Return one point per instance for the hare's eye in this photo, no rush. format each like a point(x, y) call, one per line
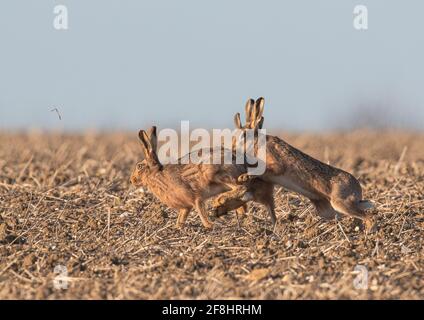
point(140, 166)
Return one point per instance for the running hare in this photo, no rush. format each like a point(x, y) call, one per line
point(187, 186)
point(330, 189)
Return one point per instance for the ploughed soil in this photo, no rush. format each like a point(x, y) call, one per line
point(71, 227)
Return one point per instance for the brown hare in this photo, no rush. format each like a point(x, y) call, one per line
point(187, 186)
point(331, 190)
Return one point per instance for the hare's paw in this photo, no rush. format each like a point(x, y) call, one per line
point(179, 225)
point(367, 224)
point(370, 225)
point(244, 178)
point(208, 224)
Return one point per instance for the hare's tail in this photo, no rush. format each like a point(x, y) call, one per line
point(365, 205)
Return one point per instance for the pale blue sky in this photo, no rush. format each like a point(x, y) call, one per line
point(131, 63)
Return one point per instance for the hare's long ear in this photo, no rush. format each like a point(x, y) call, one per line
point(259, 110)
point(260, 123)
point(151, 156)
point(260, 103)
point(153, 138)
point(237, 120)
point(146, 139)
point(248, 109)
point(144, 143)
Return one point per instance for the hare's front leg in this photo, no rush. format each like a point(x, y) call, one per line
point(200, 207)
point(270, 206)
point(182, 217)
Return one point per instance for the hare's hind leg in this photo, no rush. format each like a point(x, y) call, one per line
point(348, 207)
point(270, 206)
point(231, 200)
point(231, 203)
point(366, 205)
point(351, 208)
point(238, 196)
point(324, 209)
point(257, 190)
point(182, 217)
point(224, 205)
point(263, 192)
point(200, 208)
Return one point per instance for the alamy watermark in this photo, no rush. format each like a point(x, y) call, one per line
point(60, 21)
point(360, 17)
point(361, 279)
point(60, 282)
point(200, 147)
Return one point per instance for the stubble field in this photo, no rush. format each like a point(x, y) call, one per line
point(66, 202)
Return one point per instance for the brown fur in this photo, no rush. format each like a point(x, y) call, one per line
point(186, 186)
point(330, 189)
point(262, 192)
